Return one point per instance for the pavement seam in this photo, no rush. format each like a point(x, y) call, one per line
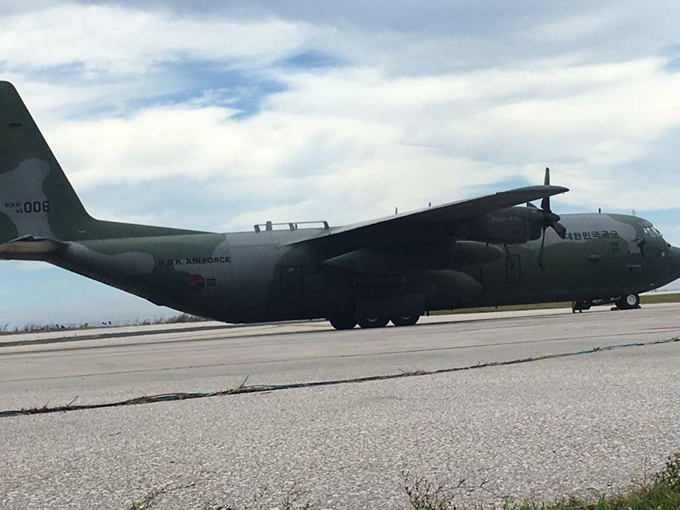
point(242, 389)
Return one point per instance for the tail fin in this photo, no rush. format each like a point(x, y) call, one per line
point(36, 200)
point(39, 209)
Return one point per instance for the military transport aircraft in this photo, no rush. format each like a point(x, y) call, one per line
point(492, 250)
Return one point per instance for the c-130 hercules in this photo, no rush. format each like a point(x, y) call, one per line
point(492, 250)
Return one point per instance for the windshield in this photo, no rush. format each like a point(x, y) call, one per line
point(651, 231)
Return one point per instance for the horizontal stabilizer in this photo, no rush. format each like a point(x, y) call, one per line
point(29, 248)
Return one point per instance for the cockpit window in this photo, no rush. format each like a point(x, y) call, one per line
point(651, 231)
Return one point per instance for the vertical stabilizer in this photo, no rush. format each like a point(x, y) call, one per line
point(36, 199)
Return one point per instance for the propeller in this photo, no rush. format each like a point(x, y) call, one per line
point(550, 219)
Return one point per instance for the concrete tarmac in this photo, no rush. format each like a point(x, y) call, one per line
point(576, 423)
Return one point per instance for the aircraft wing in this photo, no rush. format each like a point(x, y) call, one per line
point(401, 227)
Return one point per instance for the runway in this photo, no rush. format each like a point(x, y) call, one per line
point(535, 428)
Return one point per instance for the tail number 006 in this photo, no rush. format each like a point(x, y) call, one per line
point(36, 207)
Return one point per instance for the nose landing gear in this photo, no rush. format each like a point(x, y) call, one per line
point(628, 302)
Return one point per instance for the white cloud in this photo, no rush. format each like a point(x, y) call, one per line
point(378, 142)
point(116, 40)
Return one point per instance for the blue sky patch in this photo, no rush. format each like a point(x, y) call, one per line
point(673, 65)
point(311, 60)
point(672, 54)
point(242, 90)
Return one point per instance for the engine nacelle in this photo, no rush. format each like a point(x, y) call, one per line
point(516, 225)
point(416, 258)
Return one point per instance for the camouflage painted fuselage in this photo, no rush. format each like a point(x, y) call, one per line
point(482, 251)
point(260, 276)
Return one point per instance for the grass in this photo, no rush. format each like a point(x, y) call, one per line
point(645, 299)
point(47, 328)
point(650, 298)
point(505, 308)
point(660, 492)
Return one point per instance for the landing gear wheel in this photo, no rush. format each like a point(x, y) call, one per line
point(628, 302)
point(405, 320)
point(373, 322)
point(342, 323)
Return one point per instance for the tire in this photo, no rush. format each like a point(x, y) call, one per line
point(342, 323)
point(628, 302)
point(405, 320)
point(373, 322)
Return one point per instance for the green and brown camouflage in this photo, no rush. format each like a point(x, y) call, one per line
point(490, 250)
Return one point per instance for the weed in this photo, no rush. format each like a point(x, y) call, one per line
point(294, 498)
point(52, 327)
point(151, 498)
point(423, 494)
point(661, 492)
point(670, 474)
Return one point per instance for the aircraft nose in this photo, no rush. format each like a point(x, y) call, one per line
point(675, 258)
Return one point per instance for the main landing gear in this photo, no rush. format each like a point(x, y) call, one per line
point(373, 322)
point(580, 305)
point(405, 320)
point(343, 323)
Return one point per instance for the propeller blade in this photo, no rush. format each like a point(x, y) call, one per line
point(540, 253)
point(559, 229)
point(545, 203)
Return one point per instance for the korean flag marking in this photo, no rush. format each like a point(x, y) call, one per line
point(196, 282)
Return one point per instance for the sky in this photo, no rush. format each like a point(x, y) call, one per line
point(216, 115)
